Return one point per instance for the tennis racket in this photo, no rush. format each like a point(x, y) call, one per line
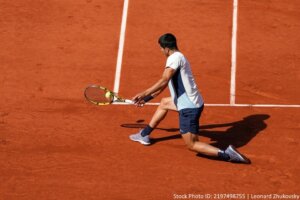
point(99, 95)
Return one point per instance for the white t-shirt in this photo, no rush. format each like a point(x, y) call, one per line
point(183, 88)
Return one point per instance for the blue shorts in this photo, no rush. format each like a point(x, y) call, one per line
point(189, 120)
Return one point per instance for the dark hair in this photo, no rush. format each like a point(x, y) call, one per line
point(168, 40)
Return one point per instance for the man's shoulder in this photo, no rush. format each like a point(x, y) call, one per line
point(176, 55)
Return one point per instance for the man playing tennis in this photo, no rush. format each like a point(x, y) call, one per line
point(185, 99)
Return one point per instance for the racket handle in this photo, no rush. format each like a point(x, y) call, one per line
point(129, 101)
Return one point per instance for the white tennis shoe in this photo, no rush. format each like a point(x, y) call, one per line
point(236, 156)
point(139, 138)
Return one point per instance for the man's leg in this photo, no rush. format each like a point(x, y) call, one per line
point(193, 144)
point(230, 154)
point(189, 125)
point(166, 104)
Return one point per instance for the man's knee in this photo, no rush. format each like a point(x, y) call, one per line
point(164, 102)
point(191, 146)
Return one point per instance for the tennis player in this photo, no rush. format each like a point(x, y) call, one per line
point(185, 99)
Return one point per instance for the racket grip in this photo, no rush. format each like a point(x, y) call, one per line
point(148, 98)
point(129, 101)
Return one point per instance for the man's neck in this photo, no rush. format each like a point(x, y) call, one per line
point(172, 51)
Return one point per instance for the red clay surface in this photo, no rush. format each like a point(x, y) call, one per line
point(54, 145)
point(268, 52)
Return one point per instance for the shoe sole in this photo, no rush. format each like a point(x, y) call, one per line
point(243, 158)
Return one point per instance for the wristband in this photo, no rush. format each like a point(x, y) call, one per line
point(148, 98)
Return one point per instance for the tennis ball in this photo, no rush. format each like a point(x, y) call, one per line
point(108, 95)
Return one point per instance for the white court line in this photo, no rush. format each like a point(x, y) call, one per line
point(232, 105)
point(121, 47)
point(233, 52)
point(255, 105)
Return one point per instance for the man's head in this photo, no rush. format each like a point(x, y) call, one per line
point(168, 43)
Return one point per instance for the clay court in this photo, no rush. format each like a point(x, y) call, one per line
point(55, 145)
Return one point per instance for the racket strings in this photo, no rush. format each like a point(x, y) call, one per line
point(97, 95)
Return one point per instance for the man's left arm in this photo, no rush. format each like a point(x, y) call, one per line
point(157, 88)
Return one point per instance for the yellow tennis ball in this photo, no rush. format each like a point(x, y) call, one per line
point(108, 95)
